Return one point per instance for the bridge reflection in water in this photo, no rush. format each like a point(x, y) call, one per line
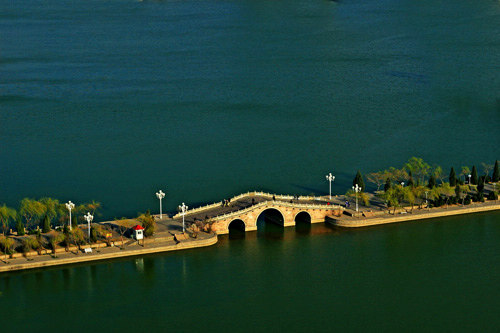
point(270, 225)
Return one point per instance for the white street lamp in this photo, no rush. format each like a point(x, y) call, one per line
point(469, 178)
point(183, 208)
point(70, 206)
point(356, 189)
point(403, 184)
point(330, 179)
point(160, 195)
point(89, 217)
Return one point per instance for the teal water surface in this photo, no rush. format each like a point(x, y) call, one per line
point(438, 275)
point(112, 100)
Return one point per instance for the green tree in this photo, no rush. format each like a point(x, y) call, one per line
point(419, 193)
point(46, 224)
point(474, 176)
point(51, 208)
point(32, 210)
point(432, 182)
point(396, 195)
point(388, 184)
point(376, 178)
point(148, 223)
point(77, 237)
point(487, 169)
point(7, 215)
point(359, 180)
point(93, 235)
point(7, 245)
point(496, 172)
point(438, 173)
point(480, 185)
point(20, 227)
point(452, 177)
point(465, 172)
point(446, 190)
point(418, 167)
point(410, 180)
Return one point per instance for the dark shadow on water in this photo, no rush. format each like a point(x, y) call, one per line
point(303, 223)
point(270, 225)
point(303, 228)
point(236, 230)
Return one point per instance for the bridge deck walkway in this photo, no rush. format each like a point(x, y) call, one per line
point(175, 224)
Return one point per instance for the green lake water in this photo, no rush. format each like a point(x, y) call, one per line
point(112, 100)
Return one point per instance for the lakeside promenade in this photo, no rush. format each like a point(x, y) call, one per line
point(245, 208)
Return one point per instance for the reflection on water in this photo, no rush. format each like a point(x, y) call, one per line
point(139, 265)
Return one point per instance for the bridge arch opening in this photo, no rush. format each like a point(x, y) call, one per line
point(271, 216)
point(236, 229)
point(303, 217)
point(236, 225)
point(270, 224)
point(303, 223)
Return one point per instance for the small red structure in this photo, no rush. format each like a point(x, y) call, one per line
point(138, 232)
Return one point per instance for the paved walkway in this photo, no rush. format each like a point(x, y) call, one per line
point(153, 245)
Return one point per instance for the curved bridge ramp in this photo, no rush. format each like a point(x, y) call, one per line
point(246, 208)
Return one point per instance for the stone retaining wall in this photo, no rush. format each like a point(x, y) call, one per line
point(102, 256)
point(410, 217)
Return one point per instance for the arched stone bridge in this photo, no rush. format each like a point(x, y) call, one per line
point(244, 210)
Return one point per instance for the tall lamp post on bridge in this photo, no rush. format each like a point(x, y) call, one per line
point(183, 209)
point(356, 189)
point(89, 217)
point(160, 195)
point(70, 206)
point(330, 179)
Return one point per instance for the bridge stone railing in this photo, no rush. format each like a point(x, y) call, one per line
point(247, 194)
point(272, 203)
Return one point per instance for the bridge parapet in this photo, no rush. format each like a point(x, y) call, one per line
point(244, 195)
point(273, 204)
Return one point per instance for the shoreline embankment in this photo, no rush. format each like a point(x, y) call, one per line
point(111, 253)
point(160, 244)
point(357, 222)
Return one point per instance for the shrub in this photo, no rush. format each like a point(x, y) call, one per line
point(467, 200)
point(20, 228)
point(478, 197)
point(93, 235)
point(148, 223)
point(492, 196)
point(46, 224)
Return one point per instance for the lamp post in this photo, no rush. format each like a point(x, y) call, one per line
point(356, 189)
point(426, 203)
point(89, 217)
point(183, 208)
point(160, 195)
point(469, 177)
point(70, 206)
point(330, 179)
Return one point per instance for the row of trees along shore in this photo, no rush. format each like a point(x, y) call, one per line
point(417, 182)
point(46, 221)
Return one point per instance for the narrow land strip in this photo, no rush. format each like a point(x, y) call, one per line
point(356, 222)
point(105, 253)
